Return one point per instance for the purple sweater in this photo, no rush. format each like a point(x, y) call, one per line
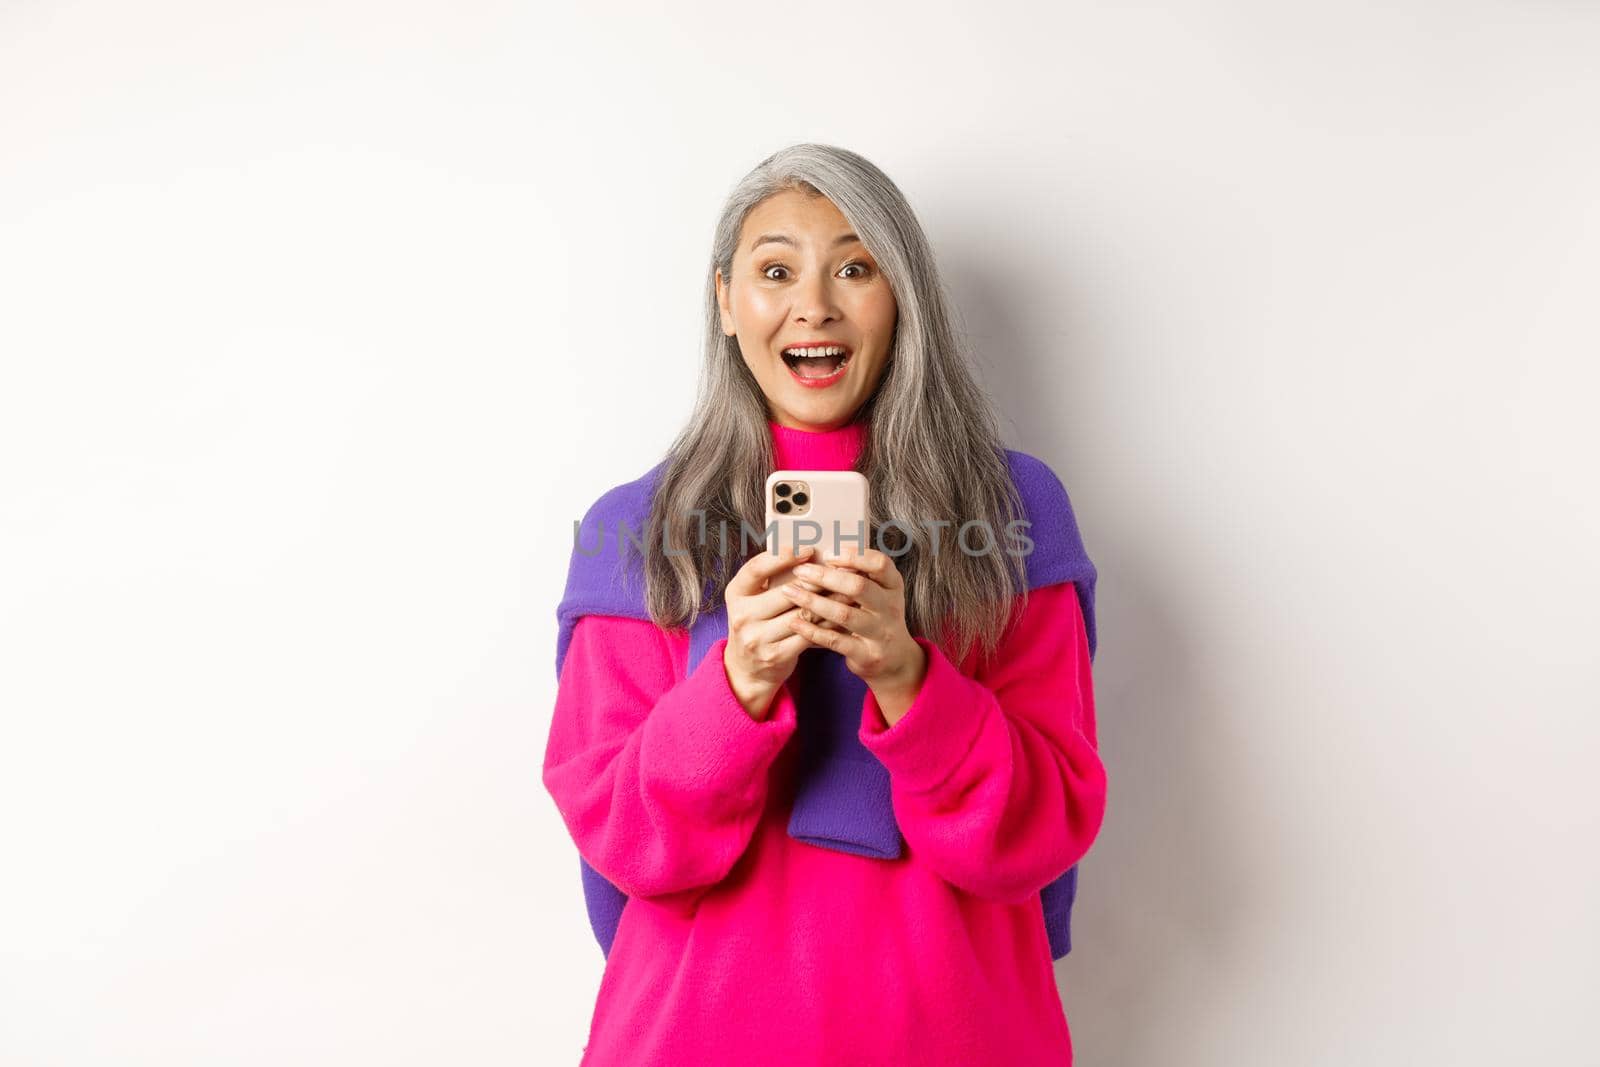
point(842, 799)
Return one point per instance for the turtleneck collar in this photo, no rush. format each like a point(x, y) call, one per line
point(817, 450)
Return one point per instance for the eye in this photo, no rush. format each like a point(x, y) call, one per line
point(766, 272)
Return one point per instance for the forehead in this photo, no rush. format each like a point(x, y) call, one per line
point(801, 218)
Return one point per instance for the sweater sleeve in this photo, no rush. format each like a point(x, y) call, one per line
point(660, 782)
point(996, 780)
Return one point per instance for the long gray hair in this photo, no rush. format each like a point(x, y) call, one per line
point(931, 450)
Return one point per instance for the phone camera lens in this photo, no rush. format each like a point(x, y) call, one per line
point(782, 489)
point(783, 507)
point(800, 498)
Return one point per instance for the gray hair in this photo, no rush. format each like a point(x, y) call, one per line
point(931, 452)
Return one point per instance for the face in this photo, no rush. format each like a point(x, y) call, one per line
point(801, 277)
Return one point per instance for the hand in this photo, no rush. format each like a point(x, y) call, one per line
point(810, 616)
point(871, 635)
point(762, 648)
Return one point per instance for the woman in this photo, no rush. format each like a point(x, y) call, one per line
point(892, 887)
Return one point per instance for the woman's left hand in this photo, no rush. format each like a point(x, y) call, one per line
point(872, 638)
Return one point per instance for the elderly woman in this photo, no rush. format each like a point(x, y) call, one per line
point(894, 885)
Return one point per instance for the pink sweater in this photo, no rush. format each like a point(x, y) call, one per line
point(742, 945)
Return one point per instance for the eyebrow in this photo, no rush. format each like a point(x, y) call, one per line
point(785, 239)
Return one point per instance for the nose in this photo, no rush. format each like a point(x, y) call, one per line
point(814, 303)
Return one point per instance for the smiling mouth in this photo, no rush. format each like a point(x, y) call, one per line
point(818, 363)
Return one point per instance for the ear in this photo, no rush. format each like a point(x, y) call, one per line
point(724, 306)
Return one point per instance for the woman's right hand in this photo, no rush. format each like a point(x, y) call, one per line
point(762, 650)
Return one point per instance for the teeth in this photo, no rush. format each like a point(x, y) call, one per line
point(814, 353)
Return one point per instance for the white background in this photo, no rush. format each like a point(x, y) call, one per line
point(321, 322)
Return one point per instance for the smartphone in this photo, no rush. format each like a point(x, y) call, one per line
point(824, 509)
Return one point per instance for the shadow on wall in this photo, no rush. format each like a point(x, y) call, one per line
point(1160, 898)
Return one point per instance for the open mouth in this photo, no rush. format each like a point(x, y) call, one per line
point(817, 364)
